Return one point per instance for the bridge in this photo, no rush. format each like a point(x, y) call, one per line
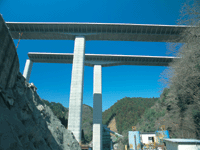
point(80, 33)
point(105, 60)
point(96, 31)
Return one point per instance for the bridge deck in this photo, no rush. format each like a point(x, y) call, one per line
point(96, 31)
point(102, 59)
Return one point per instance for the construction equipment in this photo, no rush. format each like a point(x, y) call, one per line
point(162, 127)
point(138, 141)
point(134, 140)
point(133, 128)
point(117, 134)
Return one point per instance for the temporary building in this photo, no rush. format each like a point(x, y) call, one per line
point(147, 137)
point(182, 144)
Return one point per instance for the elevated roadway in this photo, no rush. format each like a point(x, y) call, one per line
point(104, 60)
point(96, 31)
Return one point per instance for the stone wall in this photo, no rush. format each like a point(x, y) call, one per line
point(26, 123)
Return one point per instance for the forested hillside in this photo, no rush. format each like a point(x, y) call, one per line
point(152, 118)
point(127, 112)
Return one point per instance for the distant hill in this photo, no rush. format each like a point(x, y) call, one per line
point(87, 118)
point(127, 112)
point(59, 110)
point(87, 122)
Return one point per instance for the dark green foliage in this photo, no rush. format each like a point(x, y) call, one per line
point(147, 122)
point(163, 97)
point(87, 123)
point(64, 121)
point(58, 109)
point(127, 112)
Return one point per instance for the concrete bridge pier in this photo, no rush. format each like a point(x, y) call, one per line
point(97, 108)
point(27, 69)
point(76, 90)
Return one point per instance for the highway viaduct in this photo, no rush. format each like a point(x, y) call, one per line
point(97, 61)
point(80, 33)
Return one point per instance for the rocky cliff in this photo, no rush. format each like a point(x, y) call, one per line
point(26, 123)
point(62, 114)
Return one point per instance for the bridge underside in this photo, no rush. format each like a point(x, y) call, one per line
point(96, 31)
point(102, 59)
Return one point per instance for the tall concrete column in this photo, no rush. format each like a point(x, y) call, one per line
point(27, 69)
point(76, 91)
point(97, 108)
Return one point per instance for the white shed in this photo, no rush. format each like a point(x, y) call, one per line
point(182, 144)
point(147, 137)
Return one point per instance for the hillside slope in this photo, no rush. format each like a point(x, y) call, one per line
point(166, 112)
point(127, 112)
point(179, 105)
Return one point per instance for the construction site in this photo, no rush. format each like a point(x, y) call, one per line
point(158, 140)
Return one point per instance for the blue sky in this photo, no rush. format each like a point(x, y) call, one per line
point(53, 80)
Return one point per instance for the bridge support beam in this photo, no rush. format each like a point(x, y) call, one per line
point(97, 108)
point(27, 69)
point(76, 90)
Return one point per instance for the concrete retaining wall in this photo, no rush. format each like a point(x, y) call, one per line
point(9, 62)
point(26, 123)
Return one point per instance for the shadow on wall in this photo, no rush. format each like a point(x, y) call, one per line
point(64, 121)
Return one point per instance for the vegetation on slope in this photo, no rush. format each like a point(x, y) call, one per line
point(58, 109)
point(181, 101)
point(149, 121)
point(87, 123)
point(127, 112)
